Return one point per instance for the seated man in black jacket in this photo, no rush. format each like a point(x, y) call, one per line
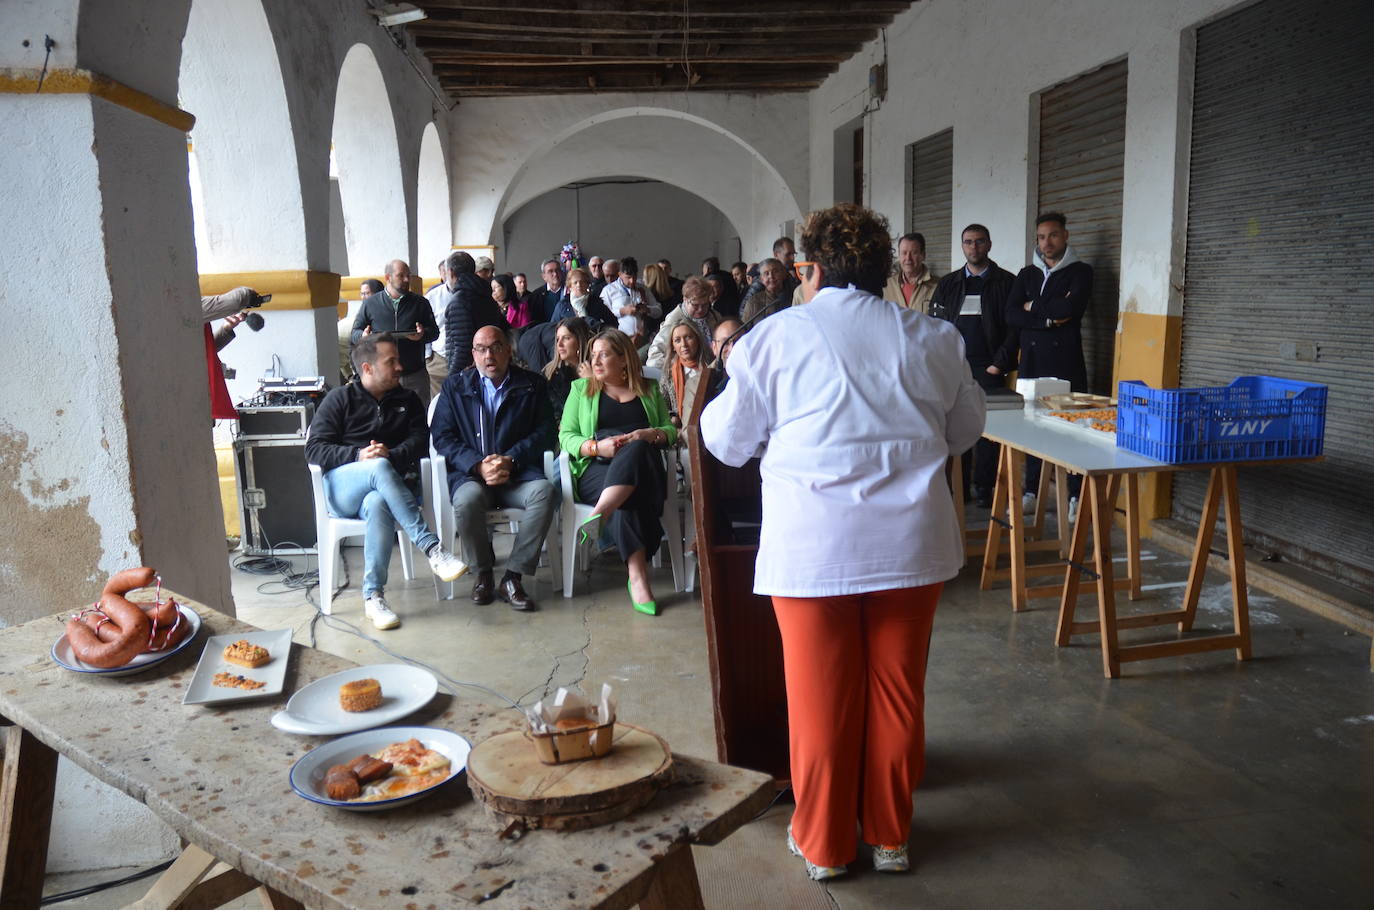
point(410, 320)
point(492, 424)
point(974, 299)
point(368, 437)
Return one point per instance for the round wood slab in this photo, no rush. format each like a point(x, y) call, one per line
point(507, 777)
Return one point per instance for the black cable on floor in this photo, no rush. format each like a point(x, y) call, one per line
point(95, 889)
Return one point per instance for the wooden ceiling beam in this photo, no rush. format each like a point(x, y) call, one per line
point(560, 46)
point(841, 27)
point(637, 9)
point(460, 61)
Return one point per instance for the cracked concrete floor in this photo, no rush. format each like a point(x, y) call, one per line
point(1192, 782)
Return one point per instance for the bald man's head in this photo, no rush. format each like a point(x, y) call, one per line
point(491, 352)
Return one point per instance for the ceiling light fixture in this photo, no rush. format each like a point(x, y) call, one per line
point(393, 14)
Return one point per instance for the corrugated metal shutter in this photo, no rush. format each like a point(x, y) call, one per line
point(1082, 156)
point(930, 206)
point(1280, 261)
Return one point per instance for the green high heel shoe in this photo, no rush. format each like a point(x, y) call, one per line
point(590, 529)
point(648, 609)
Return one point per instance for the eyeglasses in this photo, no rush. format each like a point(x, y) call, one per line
point(800, 267)
point(487, 348)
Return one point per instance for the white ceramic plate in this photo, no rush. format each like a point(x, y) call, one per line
point(307, 774)
point(67, 659)
point(315, 710)
point(203, 691)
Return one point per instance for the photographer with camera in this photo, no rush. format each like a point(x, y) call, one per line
point(231, 306)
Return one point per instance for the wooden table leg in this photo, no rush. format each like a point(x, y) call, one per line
point(28, 778)
point(1061, 504)
point(1016, 461)
point(1078, 548)
point(675, 885)
point(1133, 533)
point(1106, 589)
point(999, 510)
point(272, 899)
point(1235, 546)
point(1202, 546)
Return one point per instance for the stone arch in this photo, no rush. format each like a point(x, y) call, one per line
point(684, 150)
point(232, 79)
point(433, 203)
point(368, 159)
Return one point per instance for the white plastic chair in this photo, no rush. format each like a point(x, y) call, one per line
point(573, 513)
point(445, 522)
point(331, 531)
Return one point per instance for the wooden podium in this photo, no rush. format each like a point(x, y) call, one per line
point(749, 694)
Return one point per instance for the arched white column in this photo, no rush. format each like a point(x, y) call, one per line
point(250, 216)
point(369, 164)
point(433, 212)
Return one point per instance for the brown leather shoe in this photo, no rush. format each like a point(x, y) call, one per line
point(484, 588)
point(512, 593)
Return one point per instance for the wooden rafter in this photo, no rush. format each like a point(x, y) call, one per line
point(494, 48)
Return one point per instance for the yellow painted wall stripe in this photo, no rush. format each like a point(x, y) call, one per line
point(16, 81)
point(291, 290)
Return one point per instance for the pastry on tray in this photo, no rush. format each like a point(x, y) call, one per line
point(246, 655)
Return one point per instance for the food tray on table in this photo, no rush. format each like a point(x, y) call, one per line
point(66, 658)
point(1094, 416)
point(208, 687)
point(1255, 417)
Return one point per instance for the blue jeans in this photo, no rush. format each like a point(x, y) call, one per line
point(373, 491)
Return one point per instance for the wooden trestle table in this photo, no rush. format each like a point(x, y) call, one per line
point(218, 777)
point(1105, 468)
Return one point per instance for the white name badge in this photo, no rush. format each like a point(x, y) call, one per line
point(973, 305)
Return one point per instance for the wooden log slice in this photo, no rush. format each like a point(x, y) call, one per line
point(507, 777)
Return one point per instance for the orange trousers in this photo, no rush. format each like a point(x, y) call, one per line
point(856, 671)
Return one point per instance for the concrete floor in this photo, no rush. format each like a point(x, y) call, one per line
point(1192, 782)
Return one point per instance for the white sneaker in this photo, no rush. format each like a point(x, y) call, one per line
point(375, 609)
point(1073, 509)
point(814, 872)
point(445, 565)
point(891, 859)
point(1027, 503)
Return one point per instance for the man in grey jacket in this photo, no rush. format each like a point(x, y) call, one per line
point(410, 320)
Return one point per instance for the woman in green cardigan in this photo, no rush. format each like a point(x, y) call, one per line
point(613, 426)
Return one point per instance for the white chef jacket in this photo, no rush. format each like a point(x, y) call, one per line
point(854, 404)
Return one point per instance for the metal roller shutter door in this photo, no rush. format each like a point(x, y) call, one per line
point(1280, 261)
point(1082, 158)
point(931, 205)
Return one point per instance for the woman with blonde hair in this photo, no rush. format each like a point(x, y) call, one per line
point(688, 353)
point(854, 457)
point(656, 280)
point(614, 427)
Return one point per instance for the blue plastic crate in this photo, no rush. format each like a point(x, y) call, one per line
point(1254, 417)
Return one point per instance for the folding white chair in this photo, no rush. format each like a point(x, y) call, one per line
point(331, 531)
point(573, 513)
point(445, 522)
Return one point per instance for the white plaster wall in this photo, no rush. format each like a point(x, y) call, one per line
point(707, 162)
point(250, 216)
point(649, 221)
point(369, 165)
point(128, 833)
point(433, 217)
point(975, 67)
point(496, 143)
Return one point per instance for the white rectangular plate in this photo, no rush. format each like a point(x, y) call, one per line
point(203, 690)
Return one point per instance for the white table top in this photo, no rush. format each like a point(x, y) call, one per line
point(1079, 451)
point(1088, 452)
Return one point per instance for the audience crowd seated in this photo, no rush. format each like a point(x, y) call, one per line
point(695, 308)
point(581, 304)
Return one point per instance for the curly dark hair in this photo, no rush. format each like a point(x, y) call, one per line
point(851, 244)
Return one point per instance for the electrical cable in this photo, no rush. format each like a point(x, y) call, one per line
point(771, 803)
point(308, 581)
point(103, 886)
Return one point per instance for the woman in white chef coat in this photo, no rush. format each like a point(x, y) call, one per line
point(854, 405)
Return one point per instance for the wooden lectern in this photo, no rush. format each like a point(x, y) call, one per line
point(748, 691)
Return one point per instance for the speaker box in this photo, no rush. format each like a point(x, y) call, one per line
point(276, 506)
